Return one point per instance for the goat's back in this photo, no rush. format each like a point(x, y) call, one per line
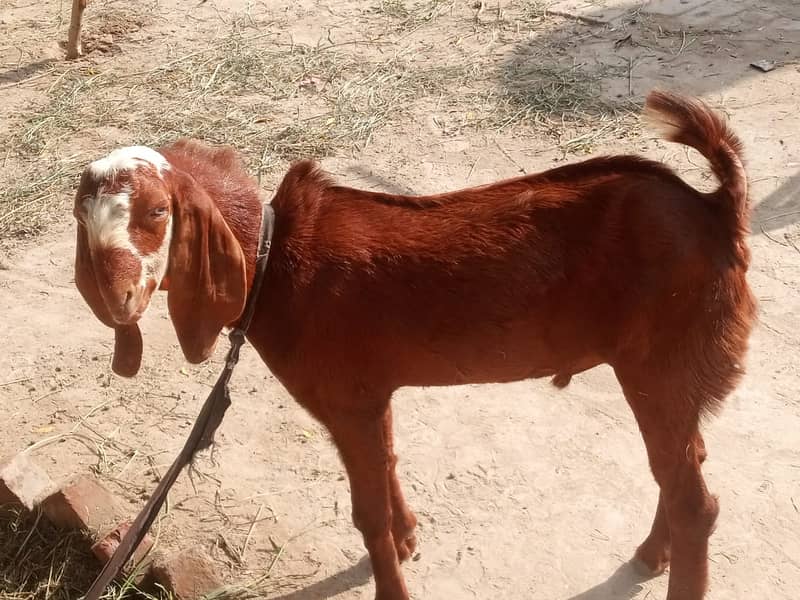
point(540, 275)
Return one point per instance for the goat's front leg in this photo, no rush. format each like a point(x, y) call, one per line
point(367, 455)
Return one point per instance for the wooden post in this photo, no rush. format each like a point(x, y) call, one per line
point(74, 49)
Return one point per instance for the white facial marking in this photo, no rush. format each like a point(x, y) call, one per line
point(154, 265)
point(128, 159)
point(107, 216)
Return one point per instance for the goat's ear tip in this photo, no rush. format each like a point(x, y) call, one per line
point(124, 369)
point(196, 355)
point(127, 350)
point(195, 359)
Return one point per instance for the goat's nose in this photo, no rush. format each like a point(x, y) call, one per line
point(130, 303)
point(124, 302)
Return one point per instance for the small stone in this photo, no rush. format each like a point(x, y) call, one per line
point(22, 482)
point(188, 575)
point(104, 549)
point(765, 66)
point(84, 505)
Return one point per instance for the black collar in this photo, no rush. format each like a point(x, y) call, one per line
point(262, 256)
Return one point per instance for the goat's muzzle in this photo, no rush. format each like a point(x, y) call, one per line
point(118, 273)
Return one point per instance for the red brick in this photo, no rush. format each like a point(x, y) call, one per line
point(189, 575)
point(22, 482)
point(108, 544)
point(83, 504)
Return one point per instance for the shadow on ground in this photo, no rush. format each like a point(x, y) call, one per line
point(355, 576)
point(779, 209)
point(623, 584)
point(607, 60)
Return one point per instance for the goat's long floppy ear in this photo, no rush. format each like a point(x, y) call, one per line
point(207, 278)
point(127, 338)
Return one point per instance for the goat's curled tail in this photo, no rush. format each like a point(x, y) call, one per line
point(689, 121)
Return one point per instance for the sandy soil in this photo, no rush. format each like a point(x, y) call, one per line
point(521, 491)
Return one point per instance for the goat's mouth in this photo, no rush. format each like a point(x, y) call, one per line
point(127, 319)
point(127, 312)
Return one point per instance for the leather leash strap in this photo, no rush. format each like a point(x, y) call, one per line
point(202, 434)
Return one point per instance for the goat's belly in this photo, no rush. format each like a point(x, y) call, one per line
point(478, 363)
point(460, 374)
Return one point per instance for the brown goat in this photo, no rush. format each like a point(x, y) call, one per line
point(612, 260)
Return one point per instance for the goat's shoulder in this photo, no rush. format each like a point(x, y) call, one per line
point(304, 183)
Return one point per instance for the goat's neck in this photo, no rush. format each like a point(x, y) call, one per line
point(243, 216)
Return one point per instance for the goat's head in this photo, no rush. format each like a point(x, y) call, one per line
point(144, 224)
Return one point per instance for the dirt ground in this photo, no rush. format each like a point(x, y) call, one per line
point(521, 491)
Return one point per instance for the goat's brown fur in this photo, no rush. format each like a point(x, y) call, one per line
point(612, 260)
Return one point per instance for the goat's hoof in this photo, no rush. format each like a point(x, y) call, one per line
point(647, 567)
point(406, 547)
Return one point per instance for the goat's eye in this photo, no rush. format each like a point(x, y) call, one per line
point(159, 212)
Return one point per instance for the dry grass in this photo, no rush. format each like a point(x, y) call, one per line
point(566, 102)
point(548, 96)
point(535, 10)
point(26, 202)
point(39, 562)
point(272, 104)
point(276, 102)
point(538, 92)
point(410, 16)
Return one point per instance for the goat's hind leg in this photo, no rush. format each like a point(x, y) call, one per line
point(668, 418)
point(653, 555)
point(404, 522)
